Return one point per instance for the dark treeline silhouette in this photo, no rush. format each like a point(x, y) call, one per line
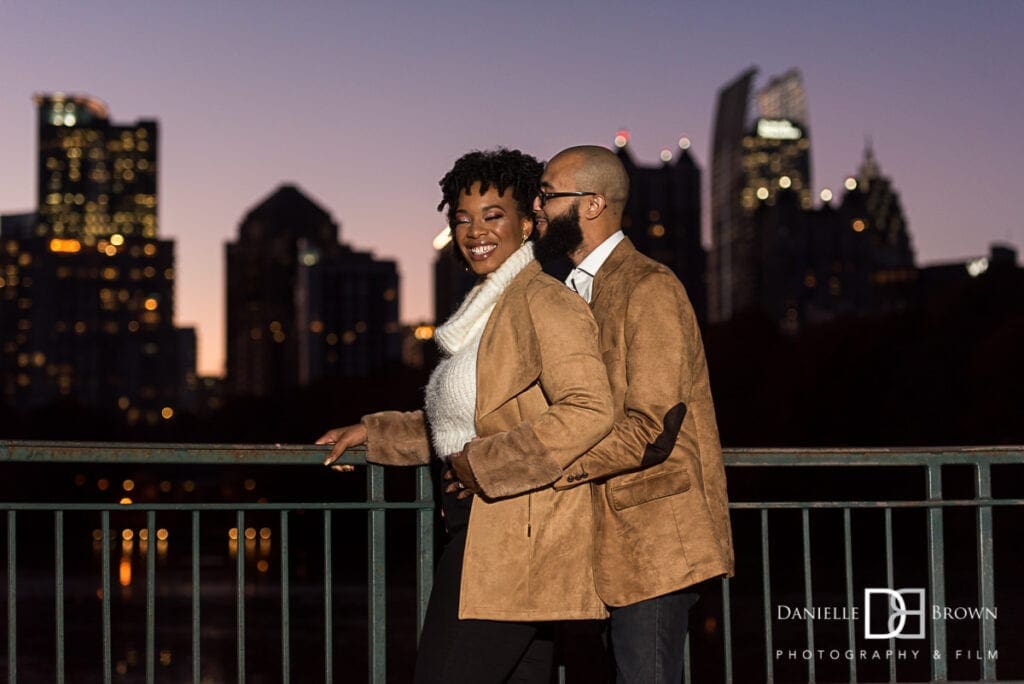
point(946, 372)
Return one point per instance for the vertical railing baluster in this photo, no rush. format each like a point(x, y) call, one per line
point(286, 666)
point(890, 579)
point(424, 545)
point(687, 677)
point(58, 536)
point(328, 603)
point(808, 594)
point(766, 588)
point(726, 630)
point(196, 672)
point(240, 596)
point(12, 598)
point(150, 596)
point(848, 555)
point(105, 589)
point(986, 569)
point(376, 575)
point(936, 572)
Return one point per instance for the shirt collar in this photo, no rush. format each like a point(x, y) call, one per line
point(592, 263)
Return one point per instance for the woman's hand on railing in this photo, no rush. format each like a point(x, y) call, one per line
point(342, 438)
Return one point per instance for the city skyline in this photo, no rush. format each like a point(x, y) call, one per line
point(365, 109)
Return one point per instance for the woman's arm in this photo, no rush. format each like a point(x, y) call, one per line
point(391, 438)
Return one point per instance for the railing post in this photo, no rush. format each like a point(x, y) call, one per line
point(196, 673)
point(766, 587)
point(240, 596)
point(376, 575)
point(150, 596)
point(936, 571)
point(12, 598)
point(286, 666)
point(105, 584)
point(328, 602)
point(808, 592)
point(424, 545)
point(986, 569)
point(58, 536)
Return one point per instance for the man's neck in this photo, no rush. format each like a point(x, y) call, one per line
point(589, 244)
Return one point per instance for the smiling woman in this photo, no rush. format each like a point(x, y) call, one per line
point(488, 228)
point(519, 394)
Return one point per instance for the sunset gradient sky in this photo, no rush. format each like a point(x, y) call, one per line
point(364, 105)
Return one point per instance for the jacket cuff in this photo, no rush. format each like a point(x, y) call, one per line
point(511, 462)
point(396, 438)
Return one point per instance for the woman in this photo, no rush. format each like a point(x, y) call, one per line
point(519, 394)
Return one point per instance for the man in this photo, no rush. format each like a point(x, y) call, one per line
point(662, 519)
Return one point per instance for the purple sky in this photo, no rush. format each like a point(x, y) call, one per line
point(365, 105)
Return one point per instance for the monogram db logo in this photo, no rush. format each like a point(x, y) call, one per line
point(900, 607)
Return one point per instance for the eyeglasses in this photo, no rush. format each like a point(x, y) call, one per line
point(545, 196)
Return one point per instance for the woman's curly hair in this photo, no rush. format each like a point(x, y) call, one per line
point(500, 168)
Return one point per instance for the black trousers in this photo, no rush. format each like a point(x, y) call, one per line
point(454, 650)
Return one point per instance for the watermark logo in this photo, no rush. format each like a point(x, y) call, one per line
point(904, 609)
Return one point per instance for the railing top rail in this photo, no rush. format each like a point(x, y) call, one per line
point(201, 454)
point(910, 456)
point(16, 451)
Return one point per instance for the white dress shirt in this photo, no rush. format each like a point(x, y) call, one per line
point(581, 278)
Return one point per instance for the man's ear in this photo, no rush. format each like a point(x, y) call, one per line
point(594, 207)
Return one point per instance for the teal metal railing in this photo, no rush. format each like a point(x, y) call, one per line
point(928, 464)
point(142, 455)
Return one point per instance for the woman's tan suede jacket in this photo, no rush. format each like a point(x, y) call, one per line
point(543, 399)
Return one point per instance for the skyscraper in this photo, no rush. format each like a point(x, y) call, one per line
point(300, 305)
point(757, 152)
point(88, 287)
point(662, 215)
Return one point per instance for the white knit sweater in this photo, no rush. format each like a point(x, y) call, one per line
point(451, 392)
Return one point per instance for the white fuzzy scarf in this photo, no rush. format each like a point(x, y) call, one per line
point(451, 392)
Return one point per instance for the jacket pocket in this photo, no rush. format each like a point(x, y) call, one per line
point(635, 492)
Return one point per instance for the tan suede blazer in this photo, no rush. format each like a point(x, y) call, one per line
point(659, 482)
point(542, 400)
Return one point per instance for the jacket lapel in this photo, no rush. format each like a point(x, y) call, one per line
point(618, 257)
point(509, 358)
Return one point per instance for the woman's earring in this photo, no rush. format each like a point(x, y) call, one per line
point(525, 236)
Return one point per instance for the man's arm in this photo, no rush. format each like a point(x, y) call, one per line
point(660, 334)
point(534, 453)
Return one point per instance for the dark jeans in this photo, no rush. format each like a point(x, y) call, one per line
point(647, 639)
point(454, 650)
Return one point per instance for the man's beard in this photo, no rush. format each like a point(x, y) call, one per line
point(562, 237)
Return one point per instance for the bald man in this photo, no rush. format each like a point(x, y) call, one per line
point(662, 521)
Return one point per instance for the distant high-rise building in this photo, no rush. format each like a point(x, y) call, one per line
point(452, 277)
point(300, 305)
point(757, 152)
point(94, 178)
point(662, 215)
point(871, 208)
point(819, 264)
point(87, 301)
